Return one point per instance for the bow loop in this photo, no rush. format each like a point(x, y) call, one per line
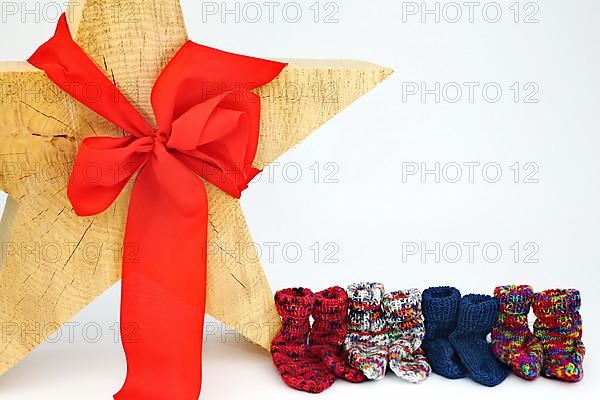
point(180, 87)
point(214, 139)
point(103, 167)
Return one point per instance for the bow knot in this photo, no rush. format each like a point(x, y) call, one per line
point(161, 137)
point(198, 135)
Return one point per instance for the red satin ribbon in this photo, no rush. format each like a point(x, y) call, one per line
point(208, 124)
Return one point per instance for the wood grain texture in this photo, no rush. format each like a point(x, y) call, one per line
point(55, 263)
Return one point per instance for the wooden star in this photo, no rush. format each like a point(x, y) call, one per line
point(54, 263)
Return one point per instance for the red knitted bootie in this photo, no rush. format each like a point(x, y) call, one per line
point(298, 366)
point(329, 332)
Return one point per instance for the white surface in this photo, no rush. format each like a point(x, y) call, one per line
point(370, 211)
point(233, 369)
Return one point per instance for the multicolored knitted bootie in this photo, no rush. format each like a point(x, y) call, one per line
point(440, 309)
point(477, 314)
point(329, 331)
point(402, 310)
point(512, 341)
point(367, 339)
point(559, 328)
point(299, 367)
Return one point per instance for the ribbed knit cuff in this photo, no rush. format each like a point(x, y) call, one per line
point(331, 303)
point(477, 313)
point(556, 302)
point(295, 302)
point(440, 304)
point(402, 305)
point(515, 300)
point(366, 295)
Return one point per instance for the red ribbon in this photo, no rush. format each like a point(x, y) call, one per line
point(208, 124)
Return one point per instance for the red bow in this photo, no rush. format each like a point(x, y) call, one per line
point(208, 124)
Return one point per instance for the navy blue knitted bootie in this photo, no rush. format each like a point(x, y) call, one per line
point(440, 309)
point(477, 315)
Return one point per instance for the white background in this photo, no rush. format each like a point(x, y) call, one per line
point(371, 210)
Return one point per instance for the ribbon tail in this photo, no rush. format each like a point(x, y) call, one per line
point(163, 294)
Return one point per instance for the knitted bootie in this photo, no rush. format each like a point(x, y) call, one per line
point(329, 331)
point(440, 309)
point(367, 340)
point(299, 368)
point(559, 328)
point(477, 314)
point(512, 341)
point(402, 310)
